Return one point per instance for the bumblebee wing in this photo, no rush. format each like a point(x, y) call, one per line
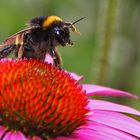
point(6, 50)
point(12, 38)
point(10, 43)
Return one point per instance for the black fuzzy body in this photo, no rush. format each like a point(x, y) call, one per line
point(42, 40)
point(40, 44)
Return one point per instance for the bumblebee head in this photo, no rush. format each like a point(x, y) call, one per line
point(57, 29)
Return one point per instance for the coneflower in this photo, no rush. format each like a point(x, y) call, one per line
point(41, 102)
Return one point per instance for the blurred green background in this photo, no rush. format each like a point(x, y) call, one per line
point(107, 52)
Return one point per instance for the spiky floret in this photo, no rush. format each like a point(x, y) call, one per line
point(38, 99)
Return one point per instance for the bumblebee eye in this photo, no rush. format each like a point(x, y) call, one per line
point(57, 31)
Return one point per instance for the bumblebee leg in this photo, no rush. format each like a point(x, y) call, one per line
point(20, 51)
point(56, 57)
point(20, 42)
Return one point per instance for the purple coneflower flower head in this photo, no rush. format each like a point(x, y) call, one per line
point(39, 101)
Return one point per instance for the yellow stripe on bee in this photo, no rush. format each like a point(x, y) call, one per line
point(49, 20)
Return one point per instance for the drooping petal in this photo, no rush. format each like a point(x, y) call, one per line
point(108, 132)
point(105, 91)
point(99, 132)
point(84, 135)
point(105, 105)
point(118, 121)
point(14, 136)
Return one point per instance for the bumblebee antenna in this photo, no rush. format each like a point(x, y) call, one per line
point(78, 20)
point(71, 25)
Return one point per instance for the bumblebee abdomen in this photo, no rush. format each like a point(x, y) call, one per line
point(36, 51)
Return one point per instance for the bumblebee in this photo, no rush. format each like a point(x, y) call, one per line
point(41, 36)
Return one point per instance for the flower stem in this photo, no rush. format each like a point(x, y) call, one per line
point(105, 39)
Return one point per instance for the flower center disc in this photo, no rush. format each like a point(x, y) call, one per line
point(38, 99)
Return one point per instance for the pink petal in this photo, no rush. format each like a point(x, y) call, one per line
point(118, 121)
point(84, 135)
point(14, 136)
point(2, 130)
point(105, 91)
point(76, 77)
point(48, 59)
point(105, 105)
point(109, 132)
point(98, 132)
point(87, 134)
